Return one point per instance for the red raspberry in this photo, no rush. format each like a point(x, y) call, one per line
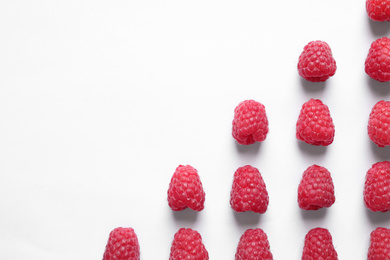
point(254, 245)
point(380, 244)
point(379, 124)
point(377, 64)
point(122, 245)
point(250, 123)
point(186, 190)
point(378, 10)
point(316, 62)
point(248, 191)
point(315, 125)
point(316, 189)
point(319, 245)
point(377, 187)
point(187, 244)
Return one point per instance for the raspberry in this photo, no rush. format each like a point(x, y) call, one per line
point(319, 245)
point(187, 244)
point(253, 245)
point(379, 244)
point(379, 124)
point(186, 190)
point(122, 245)
point(250, 123)
point(316, 62)
point(377, 64)
point(378, 10)
point(315, 125)
point(377, 187)
point(248, 192)
point(316, 189)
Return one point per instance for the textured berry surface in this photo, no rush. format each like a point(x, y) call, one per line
point(379, 124)
point(122, 245)
point(319, 245)
point(316, 62)
point(316, 189)
point(377, 187)
point(253, 245)
point(250, 123)
point(187, 245)
point(315, 125)
point(377, 64)
point(379, 244)
point(186, 190)
point(248, 192)
point(378, 10)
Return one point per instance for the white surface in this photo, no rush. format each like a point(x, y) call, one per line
point(100, 101)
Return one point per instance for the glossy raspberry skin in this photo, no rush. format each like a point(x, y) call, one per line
point(122, 245)
point(315, 125)
point(316, 62)
point(250, 123)
point(186, 190)
point(248, 192)
point(379, 244)
point(316, 189)
point(379, 124)
point(377, 187)
point(378, 10)
point(377, 64)
point(187, 245)
point(254, 245)
point(319, 245)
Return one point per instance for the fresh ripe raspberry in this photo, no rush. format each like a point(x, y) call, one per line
point(186, 190)
point(122, 245)
point(379, 244)
point(319, 245)
point(187, 244)
point(379, 124)
point(377, 187)
point(316, 189)
point(250, 123)
point(316, 63)
point(315, 125)
point(378, 10)
point(377, 64)
point(253, 245)
point(248, 191)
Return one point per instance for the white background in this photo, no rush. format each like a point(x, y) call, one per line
point(100, 101)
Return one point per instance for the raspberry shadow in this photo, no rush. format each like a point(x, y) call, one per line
point(251, 149)
point(313, 214)
point(247, 218)
point(312, 87)
point(379, 89)
point(378, 29)
point(186, 216)
point(313, 218)
point(311, 150)
point(378, 218)
point(382, 153)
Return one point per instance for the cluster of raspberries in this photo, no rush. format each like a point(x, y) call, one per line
point(253, 245)
point(249, 193)
point(316, 190)
point(314, 125)
point(316, 62)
